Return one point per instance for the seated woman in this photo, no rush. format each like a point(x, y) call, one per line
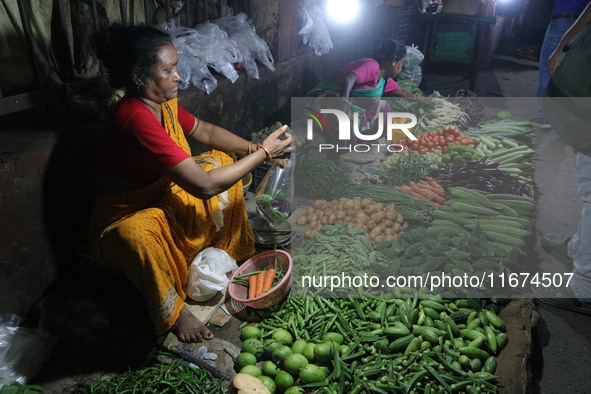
point(156, 206)
point(366, 78)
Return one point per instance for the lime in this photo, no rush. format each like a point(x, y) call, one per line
point(254, 346)
point(333, 336)
point(309, 351)
point(281, 353)
point(269, 368)
point(248, 332)
point(244, 359)
point(283, 336)
point(283, 381)
point(251, 370)
point(294, 362)
point(299, 346)
point(312, 373)
point(270, 345)
point(294, 390)
point(269, 383)
point(323, 352)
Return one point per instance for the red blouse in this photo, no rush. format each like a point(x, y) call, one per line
point(136, 147)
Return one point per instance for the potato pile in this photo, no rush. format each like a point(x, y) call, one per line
point(381, 222)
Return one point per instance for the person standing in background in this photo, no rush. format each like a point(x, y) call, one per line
point(567, 105)
point(564, 15)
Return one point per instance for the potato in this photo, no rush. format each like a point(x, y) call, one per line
point(397, 228)
point(399, 219)
point(371, 224)
point(366, 202)
point(310, 211)
point(309, 233)
point(319, 203)
point(332, 219)
point(340, 214)
point(301, 220)
point(360, 217)
point(387, 223)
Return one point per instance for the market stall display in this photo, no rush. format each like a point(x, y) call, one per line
point(459, 199)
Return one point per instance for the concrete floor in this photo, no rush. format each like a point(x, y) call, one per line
point(561, 341)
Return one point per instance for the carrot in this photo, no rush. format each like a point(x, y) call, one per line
point(434, 183)
point(252, 286)
point(427, 194)
point(269, 278)
point(260, 282)
point(405, 188)
point(436, 205)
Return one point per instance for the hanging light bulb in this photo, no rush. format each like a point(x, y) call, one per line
point(342, 10)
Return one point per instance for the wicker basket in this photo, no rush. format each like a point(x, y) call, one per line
point(263, 261)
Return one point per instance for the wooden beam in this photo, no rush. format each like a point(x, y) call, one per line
point(287, 29)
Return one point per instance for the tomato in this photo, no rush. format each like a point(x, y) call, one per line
point(429, 144)
point(450, 138)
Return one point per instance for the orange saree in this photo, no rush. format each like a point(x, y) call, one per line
point(151, 235)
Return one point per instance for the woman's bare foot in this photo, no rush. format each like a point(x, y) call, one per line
point(190, 329)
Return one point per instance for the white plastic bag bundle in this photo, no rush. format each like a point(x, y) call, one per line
point(191, 67)
point(251, 46)
point(207, 274)
point(314, 32)
point(219, 51)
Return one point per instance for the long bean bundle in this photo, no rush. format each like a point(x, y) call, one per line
point(319, 178)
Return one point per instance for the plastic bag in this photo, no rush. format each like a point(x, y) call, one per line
point(250, 45)
point(191, 66)
point(275, 193)
point(207, 274)
point(411, 69)
point(314, 31)
point(219, 52)
point(414, 57)
point(23, 350)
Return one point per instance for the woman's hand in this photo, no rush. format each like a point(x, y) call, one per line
point(275, 145)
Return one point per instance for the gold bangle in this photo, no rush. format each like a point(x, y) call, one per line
point(269, 157)
point(250, 147)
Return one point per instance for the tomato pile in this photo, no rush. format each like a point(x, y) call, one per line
point(437, 140)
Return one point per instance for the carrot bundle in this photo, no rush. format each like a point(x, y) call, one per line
point(427, 189)
point(261, 282)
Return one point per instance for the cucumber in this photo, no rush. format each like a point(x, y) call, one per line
point(474, 352)
point(490, 365)
point(493, 319)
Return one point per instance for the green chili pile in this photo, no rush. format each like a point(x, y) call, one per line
point(161, 378)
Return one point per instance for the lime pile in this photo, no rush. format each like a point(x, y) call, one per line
point(285, 365)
